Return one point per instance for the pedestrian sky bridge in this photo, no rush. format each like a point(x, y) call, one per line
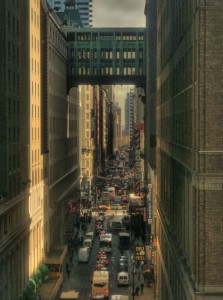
point(106, 56)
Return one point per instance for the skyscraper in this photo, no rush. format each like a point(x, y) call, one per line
point(189, 149)
point(84, 7)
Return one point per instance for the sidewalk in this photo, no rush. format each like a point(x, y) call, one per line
point(74, 263)
point(148, 294)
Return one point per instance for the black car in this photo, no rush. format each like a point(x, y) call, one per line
point(123, 261)
point(122, 268)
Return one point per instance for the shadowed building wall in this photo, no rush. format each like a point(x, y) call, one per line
point(190, 149)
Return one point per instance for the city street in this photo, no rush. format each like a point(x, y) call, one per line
point(80, 276)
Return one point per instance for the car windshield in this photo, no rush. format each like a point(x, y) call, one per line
point(99, 284)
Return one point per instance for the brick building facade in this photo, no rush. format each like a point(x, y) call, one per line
point(190, 149)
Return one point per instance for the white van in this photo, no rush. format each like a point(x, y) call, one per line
point(87, 243)
point(123, 278)
point(83, 254)
point(90, 235)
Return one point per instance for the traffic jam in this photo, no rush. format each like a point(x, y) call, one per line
point(106, 251)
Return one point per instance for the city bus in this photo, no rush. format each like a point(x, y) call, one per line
point(105, 242)
point(100, 285)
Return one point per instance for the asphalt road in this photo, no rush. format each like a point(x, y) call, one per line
point(80, 279)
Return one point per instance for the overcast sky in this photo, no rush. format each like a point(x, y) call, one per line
point(119, 13)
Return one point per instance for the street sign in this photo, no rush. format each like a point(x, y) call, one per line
point(140, 253)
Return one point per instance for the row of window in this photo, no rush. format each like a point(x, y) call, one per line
point(58, 40)
point(108, 71)
point(13, 134)
point(13, 80)
point(35, 44)
point(118, 37)
point(11, 219)
point(13, 24)
point(35, 67)
point(36, 176)
point(35, 156)
point(107, 54)
point(35, 111)
point(35, 18)
point(35, 133)
point(35, 89)
point(14, 162)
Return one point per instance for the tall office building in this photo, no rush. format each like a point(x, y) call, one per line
point(117, 138)
point(189, 149)
point(39, 126)
point(87, 112)
point(14, 148)
point(85, 8)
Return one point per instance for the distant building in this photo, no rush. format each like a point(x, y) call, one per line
point(117, 138)
point(84, 6)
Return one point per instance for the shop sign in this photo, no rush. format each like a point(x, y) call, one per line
point(149, 203)
point(140, 253)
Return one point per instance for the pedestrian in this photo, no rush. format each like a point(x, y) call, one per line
point(68, 273)
point(137, 291)
point(142, 287)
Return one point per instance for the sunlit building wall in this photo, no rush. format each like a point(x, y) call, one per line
point(36, 191)
point(86, 93)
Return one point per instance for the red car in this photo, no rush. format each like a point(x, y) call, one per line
point(101, 254)
point(125, 199)
point(120, 192)
point(99, 266)
point(103, 261)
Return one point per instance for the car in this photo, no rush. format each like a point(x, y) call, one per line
point(98, 229)
point(115, 206)
point(123, 257)
point(100, 218)
point(101, 254)
point(125, 199)
point(99, 266)
point(101, 232)
point(103, 260)
point(123, 261)
point(103, 207)
point(104, 269)
point(120, 192)
point(98, 223)
point(122, 268)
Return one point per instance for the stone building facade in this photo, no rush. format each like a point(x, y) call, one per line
point(189, 149)
point(39, 166)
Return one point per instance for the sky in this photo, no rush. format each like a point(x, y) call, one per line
point(119, 13)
